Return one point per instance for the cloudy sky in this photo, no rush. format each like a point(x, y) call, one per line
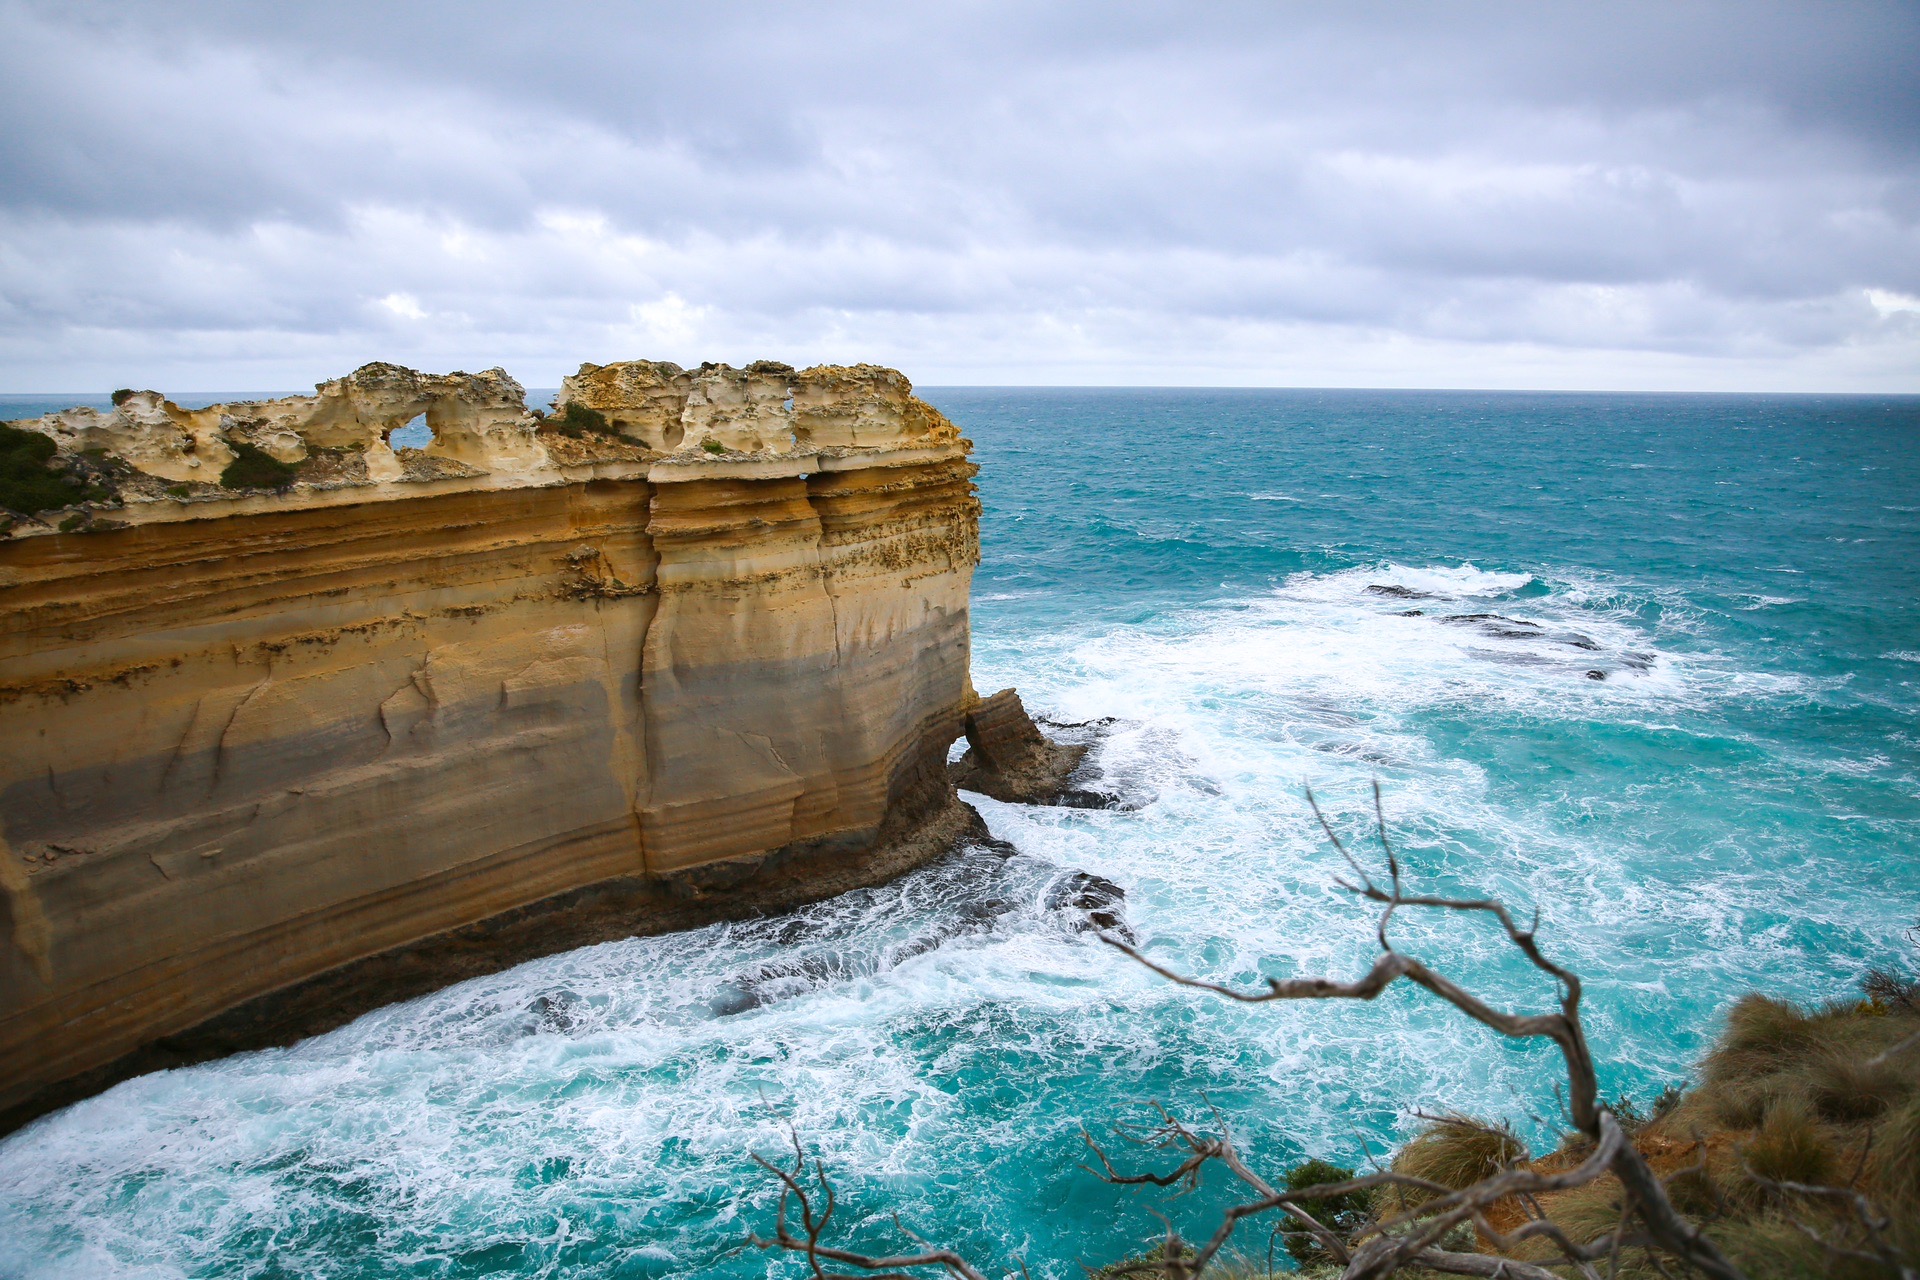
point(1671, 195)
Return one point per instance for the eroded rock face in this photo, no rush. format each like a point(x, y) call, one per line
point(426, 713)
point(765, 408)
point(661, 419)
point(1009, 759)
point(643, 399)
point(861, 406)
point(147, 430)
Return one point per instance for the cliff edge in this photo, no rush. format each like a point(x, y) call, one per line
point(297, 722)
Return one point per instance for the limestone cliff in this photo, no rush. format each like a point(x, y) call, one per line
point(695, 645)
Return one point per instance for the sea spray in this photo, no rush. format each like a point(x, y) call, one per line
point(1732, 805)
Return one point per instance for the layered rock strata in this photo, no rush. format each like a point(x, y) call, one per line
point(270, 757)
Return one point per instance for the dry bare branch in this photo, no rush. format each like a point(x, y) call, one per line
point(1872, 1222)
point(1414, 1236)
point(1664, 1226)
point(793, 1189)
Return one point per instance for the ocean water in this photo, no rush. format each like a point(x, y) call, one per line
point(1649, 665)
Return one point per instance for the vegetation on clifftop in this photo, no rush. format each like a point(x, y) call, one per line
point(254, 468)
point(577, 420)
point(30, 480)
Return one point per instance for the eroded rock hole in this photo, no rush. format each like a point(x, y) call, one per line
point(415, 435)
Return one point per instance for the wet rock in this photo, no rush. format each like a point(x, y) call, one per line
point(1081, 798)
point(1104, 722)
point(1009, 759)
point(556, 1012)
point(1463, 619)
point(1088, 902)
point(1398, 592)
point(1596, 675)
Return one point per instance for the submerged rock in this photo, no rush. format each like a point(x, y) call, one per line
point(1090, 902)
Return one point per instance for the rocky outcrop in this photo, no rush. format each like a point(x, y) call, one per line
point(1009, 759)
point(274, 755)
point(765, 407)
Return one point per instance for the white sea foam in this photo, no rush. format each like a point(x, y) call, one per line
point(599, 1105)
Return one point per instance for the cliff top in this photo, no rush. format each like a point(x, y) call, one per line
point(148, 459)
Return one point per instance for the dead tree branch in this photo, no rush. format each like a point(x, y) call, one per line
point(1663, 1225)
point(1410, 1236)
point(1873, 1223)
point(815, 1220)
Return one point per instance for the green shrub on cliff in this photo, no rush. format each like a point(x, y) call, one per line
point(577, 420)
point(255, 468)
point(1345, 1213)
point(27, 484)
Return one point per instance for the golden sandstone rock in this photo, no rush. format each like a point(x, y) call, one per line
point(269, 758)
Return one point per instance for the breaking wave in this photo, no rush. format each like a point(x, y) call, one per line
point(1666, 765)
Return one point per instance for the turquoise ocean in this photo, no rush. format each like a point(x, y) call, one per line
point(1647, 664)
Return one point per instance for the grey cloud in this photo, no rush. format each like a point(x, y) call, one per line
point(205, 189)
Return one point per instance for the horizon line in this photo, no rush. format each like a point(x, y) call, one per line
point(1123, 386)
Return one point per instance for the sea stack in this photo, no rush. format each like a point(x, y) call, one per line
point(362, 720)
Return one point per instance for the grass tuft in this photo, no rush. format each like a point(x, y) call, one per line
point(1790, 1146)
point(1458, 1151)
point(1848, 1087)
point(1760, 1031)
point(1896, 1158)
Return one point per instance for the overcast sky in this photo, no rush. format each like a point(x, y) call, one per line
point(1674, 195)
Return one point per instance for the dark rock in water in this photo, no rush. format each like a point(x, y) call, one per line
point(555, 1012)
point(1399, 592)
point(1356, 751)
point(1090, 902)
point(1102, 723)
point(1080, 798)
point(1596, 675)
point(782, 931)
point(1507, 658)
point(1412, 613)
point(1460, 618)
point(1580, 642)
